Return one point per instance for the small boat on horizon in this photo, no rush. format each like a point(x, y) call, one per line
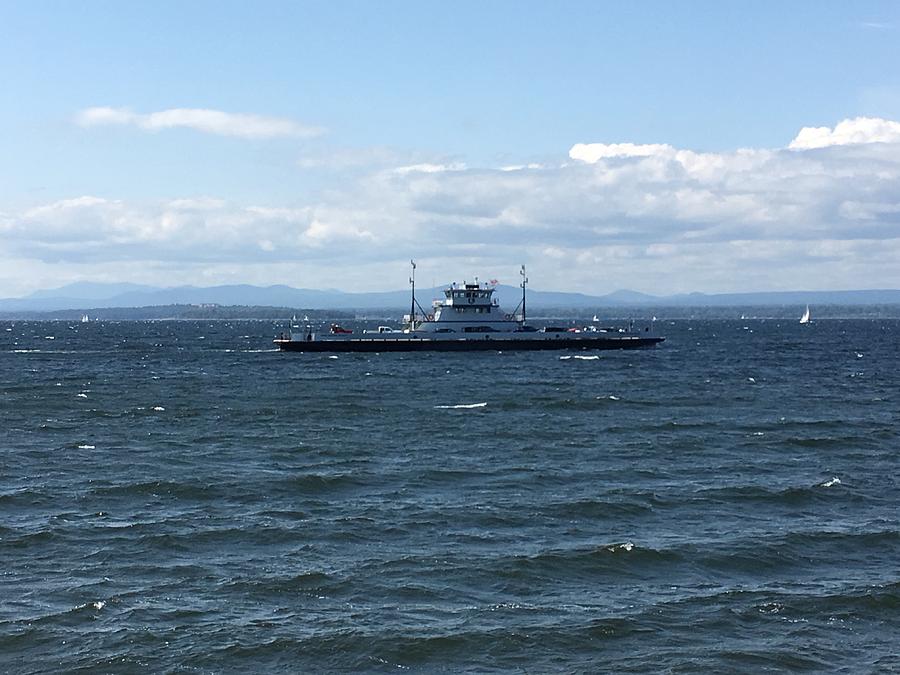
point(805, 317)
point(84, 318)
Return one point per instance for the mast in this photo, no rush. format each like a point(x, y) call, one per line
point(524, 282)
point(412, 304)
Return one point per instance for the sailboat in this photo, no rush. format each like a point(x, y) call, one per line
point(805, 317)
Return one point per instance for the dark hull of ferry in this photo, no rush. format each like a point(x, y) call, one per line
point(464, 345)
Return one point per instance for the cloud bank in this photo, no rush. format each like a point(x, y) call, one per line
point(822, 212)
point(199, 119)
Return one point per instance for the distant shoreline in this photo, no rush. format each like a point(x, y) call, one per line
point(207, 312)
point(194, 301)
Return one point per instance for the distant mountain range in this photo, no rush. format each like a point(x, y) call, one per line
point(97, 295)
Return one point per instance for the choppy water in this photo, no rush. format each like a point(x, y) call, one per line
point(178, 496)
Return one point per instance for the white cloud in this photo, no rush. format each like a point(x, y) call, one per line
point(207, 121)
point(594, 152)
point(876, 25)
point(848, 132)
point(92, 229)
point(650, 217)
point(430, 168)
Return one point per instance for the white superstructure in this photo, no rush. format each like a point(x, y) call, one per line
point(465, 308)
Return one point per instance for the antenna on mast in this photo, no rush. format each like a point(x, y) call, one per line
point(412, 304)
point(523, 284)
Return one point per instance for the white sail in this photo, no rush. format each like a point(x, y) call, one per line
point(805, 317)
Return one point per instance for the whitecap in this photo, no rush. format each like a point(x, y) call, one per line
point(81, 395)
point(461, 406)
point(829, 483)
point(588, 358)
point(626, 546)
point(159, 408)
point(332, 356)
point(771, 608)
point(564, 358)
point(751, 379)
point(87, 447)
point(98, 605)
point(859, 355)
point(49, 337)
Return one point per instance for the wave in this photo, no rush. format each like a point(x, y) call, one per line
point(595, 509)
point(823, 442)
point(160, 488)
point(81, 614)
point(320, 483)
point(874, 601)
point(477, 639)
point(304, 582)
point(23, 498)
point(613, 560)
point(760, 555)
point(750, 556)
point(197, 542)
point(793, 495)
point(461, 406)
point(852, 601)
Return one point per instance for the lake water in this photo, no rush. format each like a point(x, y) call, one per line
point(177, 496)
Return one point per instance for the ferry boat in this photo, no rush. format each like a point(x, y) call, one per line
point(467, 318)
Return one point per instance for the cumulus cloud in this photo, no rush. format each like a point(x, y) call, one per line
point(650, 217)
point(429, 168)
point(199, 119)
point(594, 152)
point(848, 132)
point(93, 229)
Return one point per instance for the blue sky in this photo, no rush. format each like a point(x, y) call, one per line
point(323, 144)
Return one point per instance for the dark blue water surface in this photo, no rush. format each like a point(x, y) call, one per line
point(177, 496)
